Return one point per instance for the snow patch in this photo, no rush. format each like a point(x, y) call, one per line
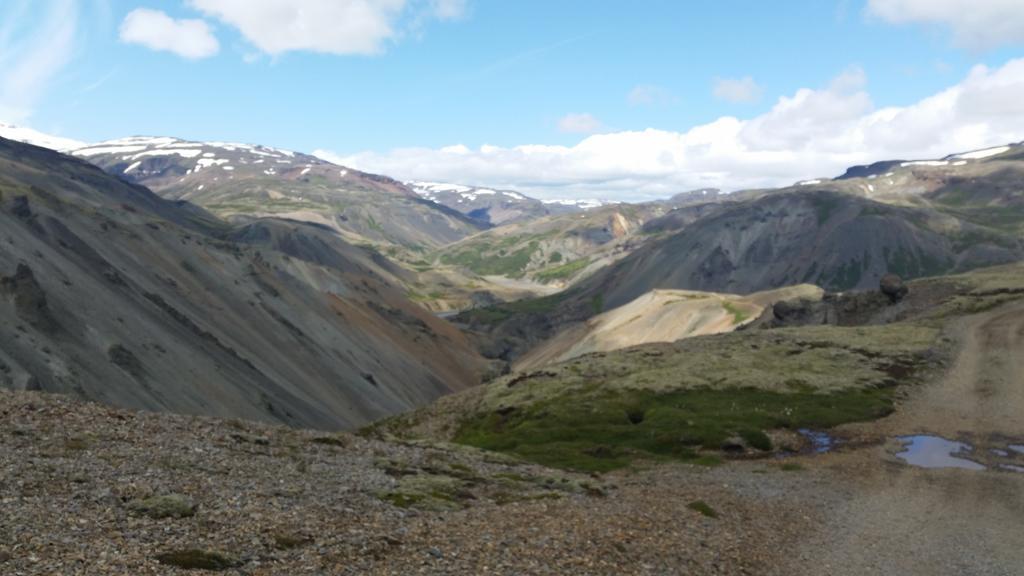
point(926, 163)
point(979, 154)
point(134, 165)
point(809, 182)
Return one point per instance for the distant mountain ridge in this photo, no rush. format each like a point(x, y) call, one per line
point(239, 181)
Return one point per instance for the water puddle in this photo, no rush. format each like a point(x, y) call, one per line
point(820, 441)
point(935, 452)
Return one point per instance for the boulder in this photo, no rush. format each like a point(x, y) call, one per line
point(893, 287)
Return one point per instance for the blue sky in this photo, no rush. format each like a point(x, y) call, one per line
point(486, 72)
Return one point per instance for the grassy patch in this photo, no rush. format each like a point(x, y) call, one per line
point(562, 272)
point(739, 315)
point(195, 559)
point(601, 431)
point(165, 506)
point(791, 467)
point(703, 508)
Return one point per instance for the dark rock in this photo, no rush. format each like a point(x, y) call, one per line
point(126, 360)
point(892, 286)
point(20, 208)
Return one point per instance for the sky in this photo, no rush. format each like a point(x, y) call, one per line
point(566, 99)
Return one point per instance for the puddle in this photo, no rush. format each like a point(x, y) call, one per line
point(820, 441)
point(935, 452)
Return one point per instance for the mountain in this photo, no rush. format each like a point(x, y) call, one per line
point(36, 138)
point(242, 181)
point(111, 293)
point(487, 206)
point(557, 250)
point(916, 219)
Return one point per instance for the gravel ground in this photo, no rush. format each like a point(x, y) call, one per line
point(279, 501)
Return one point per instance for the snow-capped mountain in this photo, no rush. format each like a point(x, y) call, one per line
point(485, 205)
point(36, 138)
point(240, 181)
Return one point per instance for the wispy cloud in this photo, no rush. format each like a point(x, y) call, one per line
point(744, 89)
point(650, 95)
point(33, 53)
point(976, 24)
point(579, 124)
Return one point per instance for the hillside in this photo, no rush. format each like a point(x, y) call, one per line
point(242, 181)
point(559, 249)
point(660, 316)
point(111, 293)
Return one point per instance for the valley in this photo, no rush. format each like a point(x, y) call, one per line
point(741, 371)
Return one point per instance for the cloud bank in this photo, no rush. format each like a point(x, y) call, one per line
point(812, 133)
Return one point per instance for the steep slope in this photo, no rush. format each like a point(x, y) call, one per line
point(240, 181)
point(114, 294)
point(660, 316)
point(487, 206)
point(837, 241)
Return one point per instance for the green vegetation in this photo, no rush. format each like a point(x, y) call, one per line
point(290, 540)
point(791, 467)
point(555, 258)
point(703, 508)
point(485, 262)
point(195, 559)
point(739, 315)
point(165, 506)
point(604, 430)
point(501, 312)
point(562, 272)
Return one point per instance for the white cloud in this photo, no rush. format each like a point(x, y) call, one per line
point(813, 133)
point(156, 30)
point(30, 58)
point(326, 26)
point(976, 24)
point(579, 124)
point(737, 89)
point(649, 95)
point(448, 9)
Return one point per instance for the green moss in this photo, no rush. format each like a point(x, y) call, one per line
point(287, 540)
point(791, 467)
point(594, 431)
point(703, 508)
point(738, 314)
point(165, 506)
point(195, 559)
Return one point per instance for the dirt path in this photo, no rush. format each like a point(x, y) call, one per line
point(882, 516)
